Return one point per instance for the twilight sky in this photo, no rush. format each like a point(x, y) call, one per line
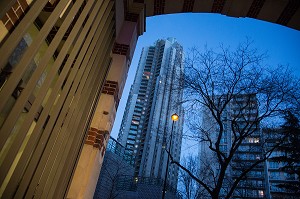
point(196, 30)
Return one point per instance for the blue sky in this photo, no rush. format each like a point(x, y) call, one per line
point(197, 30)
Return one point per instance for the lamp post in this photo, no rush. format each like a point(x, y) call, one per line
point(174, 118)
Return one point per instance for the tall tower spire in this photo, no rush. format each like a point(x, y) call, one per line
point(153, 98)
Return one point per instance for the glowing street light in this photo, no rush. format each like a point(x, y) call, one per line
point(174, 118)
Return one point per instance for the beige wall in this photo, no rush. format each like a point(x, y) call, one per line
point(86, 175)
point(3, 31)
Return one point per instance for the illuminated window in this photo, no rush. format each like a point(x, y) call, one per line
point(260, 193)
point(147, 74)
point(253, 140)
point(135, 122)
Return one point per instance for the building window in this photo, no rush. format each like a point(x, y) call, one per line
point(259, 183)
point(289, 176)
point(223, 147)
point(274, 175)
point(273, 165)
point(138, 109)
point(260, 193)
point(131, 136)
point(133, 127)
point(136, 118)
point(224, 140)
point(132, 132)
point(135, 122)
point(130, 141)
point(253, 140)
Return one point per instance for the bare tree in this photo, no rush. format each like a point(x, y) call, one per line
point(238, 94)
point(113, 168)
point(187, 184)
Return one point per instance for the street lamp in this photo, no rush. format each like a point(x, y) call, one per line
point(174, 118)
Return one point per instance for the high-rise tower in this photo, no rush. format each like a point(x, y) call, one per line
point(238, 117)
point(154, 97)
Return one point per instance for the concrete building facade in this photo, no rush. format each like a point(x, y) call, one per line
point(153, 98)
point(275, 175)
point(63, 67)
point(117, 163)
point(240, 110)
point(117, 178)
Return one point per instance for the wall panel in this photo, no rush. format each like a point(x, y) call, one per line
point(45, 126)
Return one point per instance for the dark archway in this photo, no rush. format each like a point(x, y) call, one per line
point(283, 12)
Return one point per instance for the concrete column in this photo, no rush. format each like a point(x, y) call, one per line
point(88, 168)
